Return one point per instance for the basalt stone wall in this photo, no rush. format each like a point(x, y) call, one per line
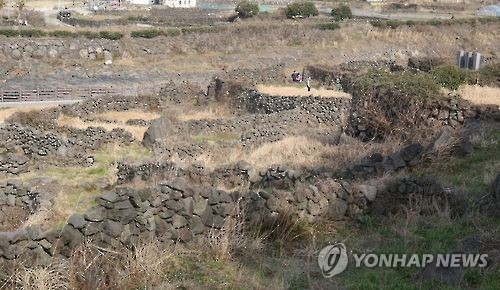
point(252, 129)
point(326, 110)
point(24, 144)
point(447, 112)
point(177, 212)
point(174, 212)
point(22, 48)
point(13, 195)
point(229, 176)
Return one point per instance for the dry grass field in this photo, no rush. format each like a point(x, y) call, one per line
point(297, 91)
point(6, 112)
point(480, 95)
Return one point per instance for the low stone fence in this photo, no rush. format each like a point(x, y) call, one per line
point(17, 202)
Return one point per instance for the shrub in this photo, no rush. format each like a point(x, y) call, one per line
point(301, 9)
point(111, 35)
point(388, 103)
point(149, 33)
point(341, 13)
point(328, 26)
point(417, 85)
point(487, 76)
point(202, 29)
point(449, 76)
point(62, 34)
point(246, 9)
point(9, 32)
point(31, 33)
point(89, 34)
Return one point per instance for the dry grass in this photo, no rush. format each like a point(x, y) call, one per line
point(297, 152)
point(76, 122)
point(296, 91)
point(124, 116)
point(92, 267)
point(5, 113)
point(218, 111)
point(480, 95)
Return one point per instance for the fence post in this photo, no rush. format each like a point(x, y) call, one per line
point(38, 94)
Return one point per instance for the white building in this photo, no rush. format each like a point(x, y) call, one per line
point(180, 3)
point(169, 3)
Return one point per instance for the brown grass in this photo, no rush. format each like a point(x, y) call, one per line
point(76, 122)
point(480, 95)
point(297, 152)
point(5, 113)
point(124, 116)
point(218, 111)
point(296, 91)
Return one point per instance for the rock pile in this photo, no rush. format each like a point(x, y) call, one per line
point(14, 195)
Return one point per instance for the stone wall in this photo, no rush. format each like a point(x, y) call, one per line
point(178, 211)
point(175, 211)
point(15, 196)
point(76, 48)
point(69, 147)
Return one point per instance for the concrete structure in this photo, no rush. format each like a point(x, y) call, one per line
point(469, 60)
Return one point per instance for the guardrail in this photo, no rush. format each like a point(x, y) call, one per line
point(60, 94)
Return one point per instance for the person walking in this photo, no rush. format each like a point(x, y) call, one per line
point(308, 84)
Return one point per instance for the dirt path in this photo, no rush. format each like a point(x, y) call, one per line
point(296, 91)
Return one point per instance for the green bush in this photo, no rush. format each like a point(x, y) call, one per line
point(328, 26)
point(152, 33)
point(301, 9)
point(341, 13)
point(246, 9)
point(31, 33)
point(9, 32)
point(393, 24)
point(147, 33)
point(111, 35)
point(449, 76)
point(410, 23)
point(202, 29)
point(418, 85)
point(487, 76)
point(89, 34)
point(62, 34)
point(435, 22)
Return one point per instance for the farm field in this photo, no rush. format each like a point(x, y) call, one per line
point(150, 147)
